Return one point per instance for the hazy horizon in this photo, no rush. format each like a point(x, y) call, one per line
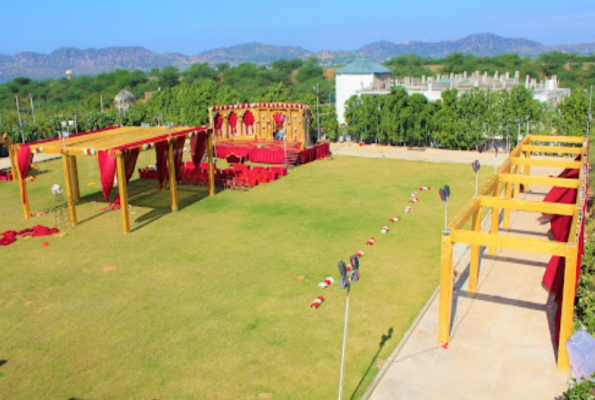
point(189, 27)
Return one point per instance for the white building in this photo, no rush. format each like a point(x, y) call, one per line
point(360, 77)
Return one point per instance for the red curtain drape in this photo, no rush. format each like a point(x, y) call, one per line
point(249, 121)
point(178, 154)
point(107, 171)
point(161, 150)
point(130, 158)
point(24, 160)
point(233, 120)
point(218, 124)
point(279, 120)
point(198, 145)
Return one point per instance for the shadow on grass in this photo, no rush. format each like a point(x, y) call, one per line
point(383, 339)
point(146, 193)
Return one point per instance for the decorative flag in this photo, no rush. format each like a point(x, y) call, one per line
point(407, 209)
point(371, 242)
point(360, 254)
point(414, 200)
point(327, 282)
point(424, 188)
point(395, 219)
point(317, 302)
point(413, 194)
point(384, 230)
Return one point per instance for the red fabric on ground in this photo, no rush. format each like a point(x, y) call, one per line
point(107, 171)
point(198, 146)
point(161, 150)
point(9, 237)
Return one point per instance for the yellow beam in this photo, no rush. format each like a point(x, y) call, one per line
point(553, 149)
point(567, 317)
point(557, 139)
point(211, 164)
point(540, 180)
point(529, 206)
point(546, 163)
point(460, 220)
point(446, 288)
point(24, 196)
point(11, 156)
point(69, 190)
point(173, 184)
point(510, 242)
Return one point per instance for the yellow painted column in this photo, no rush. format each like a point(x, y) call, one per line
point(495, 220)
point(69, 190)
point(567, 316)
point(507, 195)
point(527, 169)
point(75, 178)
point(446, 288)
point(211, 164)
point(475, 252)
point(173, 184)
point(123, 191)
point(23, 190)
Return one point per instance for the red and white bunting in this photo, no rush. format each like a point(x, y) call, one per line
point(407, 209)
point(413, 194)
point(424, 188)
point(414, 200)
point(395, 219)
point(360, 254)
point(326, 283)
point(371, 242)
point(384, 230)
point(317, 302)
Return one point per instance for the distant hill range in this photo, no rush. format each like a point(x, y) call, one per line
point(94, 61)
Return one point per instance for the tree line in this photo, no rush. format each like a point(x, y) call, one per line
point(184, 97)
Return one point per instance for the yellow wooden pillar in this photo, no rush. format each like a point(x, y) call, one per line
point(567, 316)
point(475, 252)
point(123, 191)
point(24, 196)
point(75, 178)
point(507, 195)
point(527, 168)
point(211, 164)
point(446, 288)
point(495, 220)
point(173, 184)
point(69, 189)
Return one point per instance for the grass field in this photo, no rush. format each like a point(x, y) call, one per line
point(212, 302)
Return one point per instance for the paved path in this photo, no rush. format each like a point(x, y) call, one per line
point(5, 162)
point(501, 344)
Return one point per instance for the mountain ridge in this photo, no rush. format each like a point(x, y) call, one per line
point(94, 61)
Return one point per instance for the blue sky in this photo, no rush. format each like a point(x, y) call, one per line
point(190, 27)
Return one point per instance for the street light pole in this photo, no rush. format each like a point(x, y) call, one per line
point(518, 135)
point(317, 113)
point(32, 108)
point(589, 116)
point(20, 121)
point(377, 124)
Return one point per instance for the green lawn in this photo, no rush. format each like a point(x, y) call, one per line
point(212, 302)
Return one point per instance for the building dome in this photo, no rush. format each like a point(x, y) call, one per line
point(124, 100)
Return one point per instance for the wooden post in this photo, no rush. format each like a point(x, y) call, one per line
point(495, 221)
point(568, 295)
point(475, 251)
point(527, 168)
point(123, 191)
point(211, 166)
point(23, 190)
point(173, 184)
point(446, 288)
point(69, 190)
point(507, 195)
point(75, 178)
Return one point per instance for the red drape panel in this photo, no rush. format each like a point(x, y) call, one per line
point(178, 154)
point(24, 160)
point(249, 121)
point(107, 171)
point(218, 124)
point(161, 150)
point(130, 158)
point(198, 146)
point(233, 120)
point(279, 120)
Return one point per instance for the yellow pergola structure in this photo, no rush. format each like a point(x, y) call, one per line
point(117, 140)
point(501, 193)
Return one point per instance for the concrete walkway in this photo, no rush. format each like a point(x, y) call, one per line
point(501, 343)
point(38, 157)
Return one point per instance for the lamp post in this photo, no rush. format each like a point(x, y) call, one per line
point(317, 114)
point(518, 135)
point(20, 121)
point(589, 116)
point(527, 131)
point(377, 127)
